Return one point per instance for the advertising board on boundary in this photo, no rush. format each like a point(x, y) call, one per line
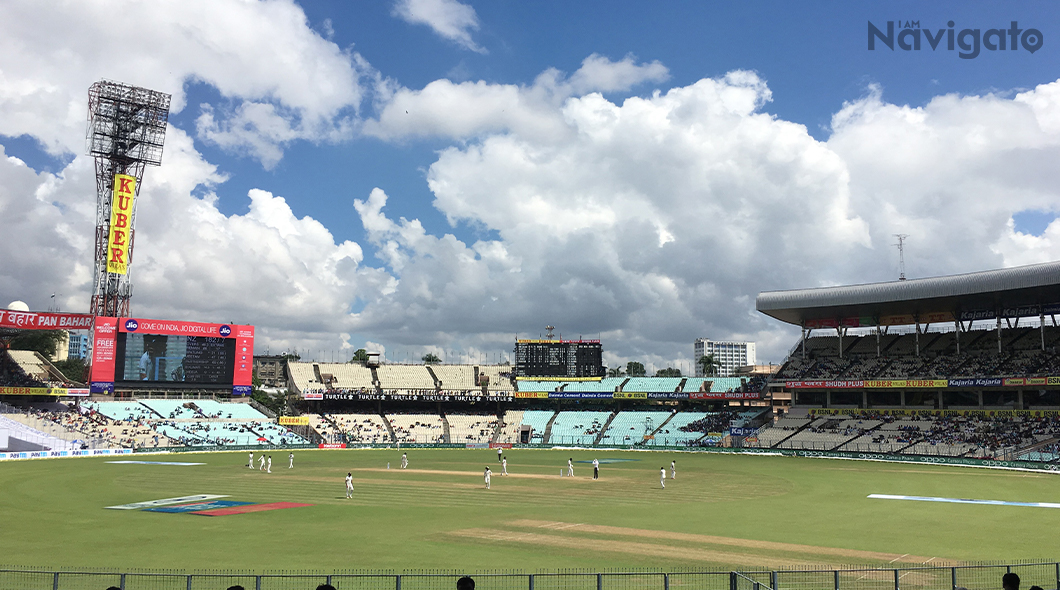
point(927, 383)
point(56, 454)
point(52, 391)
point(931, 412)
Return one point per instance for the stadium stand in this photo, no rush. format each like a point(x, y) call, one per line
point(159, 422)
point(346, 376)
point(631, 427)
point(27, 368)
point(673, 433)
point(605, 384)
point(357, 428)
point(509, 431)
point(455, 377)
point(578, 427)
point(471, 428)
point(303, 378)
point(522, 385)
point(983, 436)
point(652, 384)
point(499, 377)
point(404, 379)
point(422, 428)
point(19, 436)
point(53, 421)
point(782, 429)
point(538, 420)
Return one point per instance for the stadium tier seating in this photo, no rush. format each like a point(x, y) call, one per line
point(405, 378)
point(471, 428)
point(672, 435)
point(347, 376)
point(497, 382)
point(357, 428)
point(303, 378)
point(150, 422)
point(1021, 355)
point(652, 384)
point(577, 427)
point(538, 421)
point(455, 377)
point(509, 432)
point(783, 428)
point(422, 428)
point(630, 427)
point(522, 385)
point(330, 433)
point(603, 385)
point(122, 411)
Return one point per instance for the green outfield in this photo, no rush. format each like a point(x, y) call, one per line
point(722, 511)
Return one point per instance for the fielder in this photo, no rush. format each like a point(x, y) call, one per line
point(673, 469)
point(662, 477)
point(251, 464)
point(291, 459)
point(570, 467)
point(486, 476)
point(269, 468)
point(349, 485)
point(504, 465)
point(261, 463)
point(404, 460)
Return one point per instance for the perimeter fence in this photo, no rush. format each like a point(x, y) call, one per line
point(969, 577)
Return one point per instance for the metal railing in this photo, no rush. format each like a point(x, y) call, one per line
point(969, 577)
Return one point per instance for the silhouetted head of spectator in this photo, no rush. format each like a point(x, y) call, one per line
point(465, 583)
point(325, 587)
point(236, 587)
point(1010, 581)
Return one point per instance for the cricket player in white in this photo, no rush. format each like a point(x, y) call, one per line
point(349, 485)
point(662, 477)
point(251, 464)
point(486, 476)
point(504, 465)
point(261, 463)
point(673, 469)
point(291, 459)
point(570, 467)
point(404, 460)
point(269, 469)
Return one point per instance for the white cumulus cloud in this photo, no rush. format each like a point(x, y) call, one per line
point(449, 19)
point(282, 80)
point(469, 109)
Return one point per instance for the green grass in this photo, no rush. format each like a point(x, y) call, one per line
point(438, 514)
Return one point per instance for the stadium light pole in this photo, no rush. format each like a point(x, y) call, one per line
point(126, 132)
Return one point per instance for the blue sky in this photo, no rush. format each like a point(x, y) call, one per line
point(561, 208)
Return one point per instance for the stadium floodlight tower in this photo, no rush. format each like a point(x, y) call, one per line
point(126, 129)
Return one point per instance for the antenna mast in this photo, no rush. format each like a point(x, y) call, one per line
point(901, 255)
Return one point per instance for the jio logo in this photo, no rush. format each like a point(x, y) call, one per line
point(224, 331)
point(131, 326)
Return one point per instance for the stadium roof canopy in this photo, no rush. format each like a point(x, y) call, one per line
point(1010, 292)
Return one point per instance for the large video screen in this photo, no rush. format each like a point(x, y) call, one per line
point(139, 353)
point(162, 358)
